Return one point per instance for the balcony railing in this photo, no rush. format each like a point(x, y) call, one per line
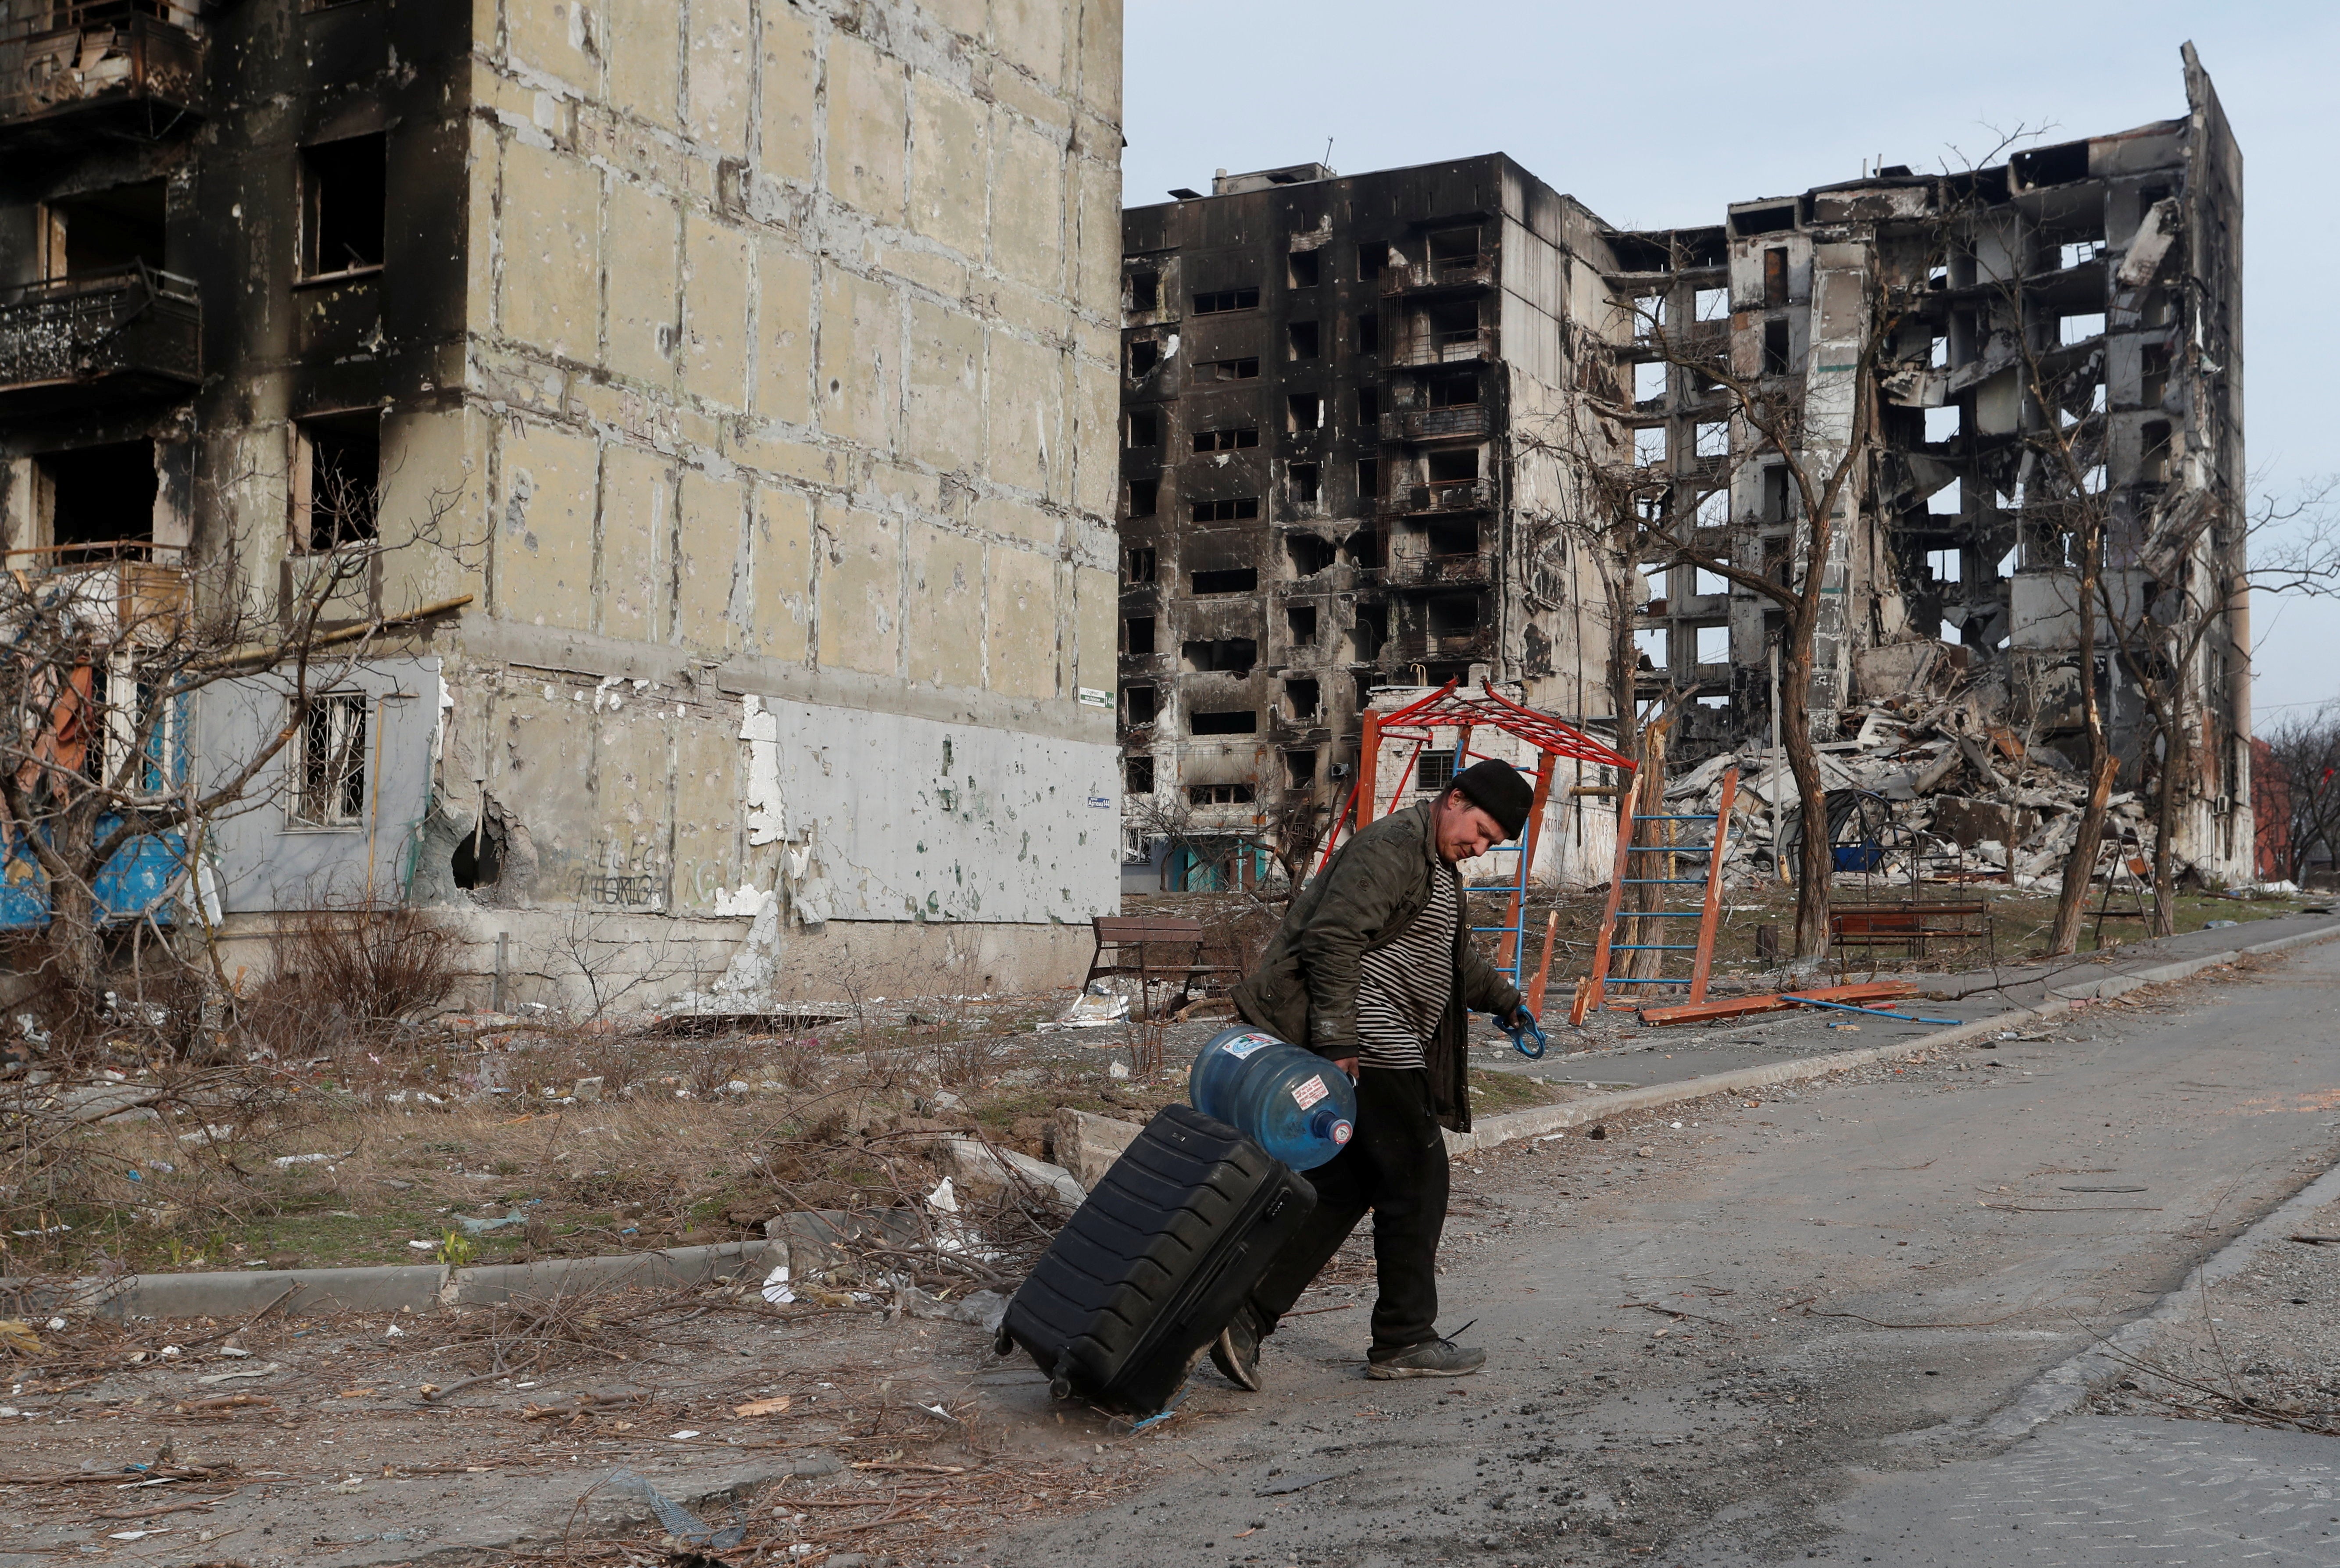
point(128, 67)
point(1439, 495)
point(1428, 348)
point(1441, 272)
point(1436, 570)
point(71, 342)
point(1462, 419)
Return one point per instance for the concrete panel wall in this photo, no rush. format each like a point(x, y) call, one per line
point(790, 381)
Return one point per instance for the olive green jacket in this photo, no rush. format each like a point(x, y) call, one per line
point(1304, 989)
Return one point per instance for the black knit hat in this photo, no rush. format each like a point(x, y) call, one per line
point(1500, 791)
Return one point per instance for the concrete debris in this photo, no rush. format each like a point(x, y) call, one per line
point(1086, 1144)
point(981, 1169)
point(1936, 790)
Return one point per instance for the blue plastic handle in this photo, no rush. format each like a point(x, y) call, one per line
point(1524, 1035)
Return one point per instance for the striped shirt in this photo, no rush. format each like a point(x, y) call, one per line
point(1403, 988)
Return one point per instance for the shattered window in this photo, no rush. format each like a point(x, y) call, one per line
point(1232, 511)
point(331, 764)
point(1713, 304)
point(1144, 291)
point(1650, 445)
point(1229, 370)
point(1234, 439)
point(1713, 439)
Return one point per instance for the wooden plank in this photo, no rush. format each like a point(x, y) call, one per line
point(1703, 959)
point(1862, 994)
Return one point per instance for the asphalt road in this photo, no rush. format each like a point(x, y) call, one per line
point(1778, 1334)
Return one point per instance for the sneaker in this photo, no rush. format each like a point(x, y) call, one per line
point(1437, 1358)
point(1235, 1353)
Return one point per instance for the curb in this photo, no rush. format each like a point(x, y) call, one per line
point(397, 1287)
point(2062, 1388)
point(1513, 1126)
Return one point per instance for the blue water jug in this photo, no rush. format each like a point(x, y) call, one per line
point(1294, 1104)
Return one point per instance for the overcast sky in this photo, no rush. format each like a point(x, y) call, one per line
point(1657, 116)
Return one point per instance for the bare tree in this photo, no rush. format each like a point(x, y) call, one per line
point(103, 816)
point(2304, 749)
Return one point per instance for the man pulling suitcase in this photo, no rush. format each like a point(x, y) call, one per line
point(1373, 968)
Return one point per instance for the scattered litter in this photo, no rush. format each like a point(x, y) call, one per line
point(263, 1370)
point(775, 1285)
point(1299, 1484)
point(285, 1162)
point(685, 1433)
point(943, 1198)
point(756, 1408)
point(1092, 1010)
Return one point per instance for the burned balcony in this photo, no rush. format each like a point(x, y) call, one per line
point(71, 342)
point(1436, 346)
point(1439, 495)
point(1462, 271)
point(112, 68)
point(1461, 421)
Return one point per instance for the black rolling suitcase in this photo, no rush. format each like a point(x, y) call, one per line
point(1149, 1269)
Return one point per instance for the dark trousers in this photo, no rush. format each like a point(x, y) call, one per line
point(1395, 1166)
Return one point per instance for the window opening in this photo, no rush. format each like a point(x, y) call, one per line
point(1305, 269)
point(1141, 566)
point(1143, 493)
point(1650, 446)
point(1433, 770)
point(1943, 564)
point(1775, 276)
point(1714, 509)
point(1145, 428)
point(1943, 424)
point(337, 484)
point(1453, 539)
point(1242, 370)
point(1138, 776)
point(1301, 698)
point(1369, 404)
point(1235, 509)
point(1144, 291)
point(1138, 636)
point(1224, 722)
point(1454, 615)
point(1219, 794)
point(1300, 626)
point(1713, 438)
point(2080, 329)
point(1309, 555)
point(1138, 704)
point(1305, 339)
point(1454, 392)
point(1372, 259)
point(331, 764)
point(1308, 411)
point(105, 232)
point(1713, 644)
point(1777, 355)
point(345, 190)
point(99, 496)
point(1144, 354)
point(1305, 484)
point(1649, 380)
point(1711, 306)
point(1369, 478)
point(1227, 579)
point(1707, 583)
point(1220, 302)
point(1232, 439)
point(1225, 656)
point(1369, 333)
point(1300, 769)
point(1370, 630)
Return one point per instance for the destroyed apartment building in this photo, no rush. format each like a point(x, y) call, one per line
point(1350, 409)
point(718, 399)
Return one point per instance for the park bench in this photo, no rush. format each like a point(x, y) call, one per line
point(1151, 948)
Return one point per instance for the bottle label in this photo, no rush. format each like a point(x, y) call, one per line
point(1243, 1046)
point(1309, 1093)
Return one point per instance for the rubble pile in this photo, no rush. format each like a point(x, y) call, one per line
point(1937, 792)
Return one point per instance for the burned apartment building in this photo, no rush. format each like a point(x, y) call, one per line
point(739, 382)
point(2104, 273)
point(1279, 562)
point(1340, 470)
